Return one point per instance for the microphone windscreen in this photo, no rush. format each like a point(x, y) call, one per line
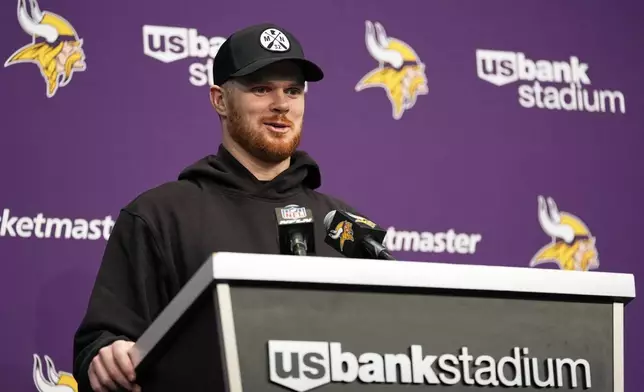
point(328, 219)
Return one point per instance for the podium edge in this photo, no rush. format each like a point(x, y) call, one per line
point(228, 338)
point(618, 347)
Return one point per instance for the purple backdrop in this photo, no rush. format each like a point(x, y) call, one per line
point(469, 156)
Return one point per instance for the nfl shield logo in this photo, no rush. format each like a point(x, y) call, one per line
point(294, 213)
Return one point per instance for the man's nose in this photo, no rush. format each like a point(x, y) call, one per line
point(280, 103)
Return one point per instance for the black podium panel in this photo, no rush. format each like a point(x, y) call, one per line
point(189, 357)
point(302, 339)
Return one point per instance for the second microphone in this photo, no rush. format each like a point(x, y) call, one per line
point(295, 230)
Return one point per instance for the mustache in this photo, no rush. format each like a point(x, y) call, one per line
point(278, 119)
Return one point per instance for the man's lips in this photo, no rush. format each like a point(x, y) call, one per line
point(278, 126)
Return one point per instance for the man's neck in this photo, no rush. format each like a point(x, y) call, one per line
point(263, 171)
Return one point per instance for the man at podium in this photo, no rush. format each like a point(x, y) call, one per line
point(223, 202)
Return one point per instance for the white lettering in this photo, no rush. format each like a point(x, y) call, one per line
point(198, 74)
point(515, 363)
point(40, 221)
point(199, 45)
point(465, 358)
point(372, 369)
point(571, 98)
point(24, 227)
point(59, 228)
point(290, 365)
point(7, 223)
point(413, 241)
point(444, 363)
point(164, 43)
point(422, 366)
point(340, 361)
point(58, 224)
point(501, 68)
point(549, 373)
point(572, 366)
point(485, 375)
point(395, 363)
point(169, 44)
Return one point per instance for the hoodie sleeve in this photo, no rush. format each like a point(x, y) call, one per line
point(127, 295)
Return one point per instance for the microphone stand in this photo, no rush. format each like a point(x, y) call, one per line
point(298, 244)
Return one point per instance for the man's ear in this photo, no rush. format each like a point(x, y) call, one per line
point(217, 99)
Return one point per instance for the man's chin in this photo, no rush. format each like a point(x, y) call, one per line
point(279, 151)
point(277, 148)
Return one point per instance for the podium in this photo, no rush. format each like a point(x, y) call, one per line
point(263, 323)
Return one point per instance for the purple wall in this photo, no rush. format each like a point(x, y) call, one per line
point(493, 133)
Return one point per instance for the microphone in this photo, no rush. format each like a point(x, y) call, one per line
point(295, 230)
point(355, 237)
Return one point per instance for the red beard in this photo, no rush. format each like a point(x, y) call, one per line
point(264, 145)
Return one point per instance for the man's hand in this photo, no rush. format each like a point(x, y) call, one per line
point(112, 368)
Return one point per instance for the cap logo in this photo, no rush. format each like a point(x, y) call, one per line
point(274, 40)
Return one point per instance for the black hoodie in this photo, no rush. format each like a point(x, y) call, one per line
point(162, 237)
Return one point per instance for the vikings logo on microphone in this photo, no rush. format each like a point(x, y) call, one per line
point(55, 47)
point(54, 381)
point(572, 246)
point(400, 72)
point(344, 232)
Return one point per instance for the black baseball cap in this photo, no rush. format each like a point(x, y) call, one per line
point(254, 47)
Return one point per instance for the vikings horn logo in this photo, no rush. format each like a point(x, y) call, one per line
point(572, 247)
point(54, 381)
point(400, 72)
point(344, 232)
point(55, 47)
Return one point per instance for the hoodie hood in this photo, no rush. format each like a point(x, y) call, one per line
point(223, 170)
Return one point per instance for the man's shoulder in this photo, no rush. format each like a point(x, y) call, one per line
point(332, 202)
point(163, 198)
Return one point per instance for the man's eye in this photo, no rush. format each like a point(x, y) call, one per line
point(260, 90)
point(294, 91)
